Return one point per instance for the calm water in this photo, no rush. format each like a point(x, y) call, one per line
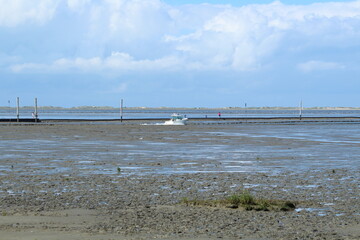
point(165, 113)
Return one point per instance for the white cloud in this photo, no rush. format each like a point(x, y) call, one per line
point(247, 38)
point(134, 35)
point(15, 12)
point(126, 20)
point(311, 66)
point(118, 62)
point(5, 60)
point(77, 5)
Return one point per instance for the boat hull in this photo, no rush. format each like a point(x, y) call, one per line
point(176, 122)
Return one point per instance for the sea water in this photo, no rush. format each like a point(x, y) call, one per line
point(165, 113)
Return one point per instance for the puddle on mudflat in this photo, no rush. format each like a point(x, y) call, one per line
point(194, 149)
point(86, 162)
point(307, 186)
point(328, 204)
point(318, 211)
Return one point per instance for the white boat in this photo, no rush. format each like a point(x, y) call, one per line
point(176, 119)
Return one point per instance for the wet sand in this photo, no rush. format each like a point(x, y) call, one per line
point(61, 181)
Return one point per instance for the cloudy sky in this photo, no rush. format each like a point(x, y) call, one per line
point(190, 53)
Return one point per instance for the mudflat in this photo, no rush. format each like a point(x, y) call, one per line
point(128, 181)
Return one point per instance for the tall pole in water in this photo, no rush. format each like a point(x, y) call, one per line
point(121, 110)
point(36, 110)
point(17, 109)
point(300, 113)
point(9, 111)
point(245, 109)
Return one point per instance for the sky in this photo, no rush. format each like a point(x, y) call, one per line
point(190, 53)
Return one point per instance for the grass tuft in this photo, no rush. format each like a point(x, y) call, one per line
point(244, 201)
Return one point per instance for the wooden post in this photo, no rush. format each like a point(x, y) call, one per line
point(17, 109)
point(300, 113)
point(9, 111)
point(245, 112)
point(36, 111)
point(121, 110)
point(245, 108)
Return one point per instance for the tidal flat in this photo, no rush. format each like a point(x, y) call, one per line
point(128, 181)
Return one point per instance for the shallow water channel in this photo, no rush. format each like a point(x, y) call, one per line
point(140, 150)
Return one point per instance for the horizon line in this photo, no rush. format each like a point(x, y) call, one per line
point(163, 107)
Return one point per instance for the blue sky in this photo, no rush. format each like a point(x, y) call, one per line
point(180, 53)
point(246, 2)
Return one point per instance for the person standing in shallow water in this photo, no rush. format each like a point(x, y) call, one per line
point(219, 114)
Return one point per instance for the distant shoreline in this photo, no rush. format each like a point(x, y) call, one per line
point(180, 108)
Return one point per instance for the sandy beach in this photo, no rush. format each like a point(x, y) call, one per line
point(118, 181)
